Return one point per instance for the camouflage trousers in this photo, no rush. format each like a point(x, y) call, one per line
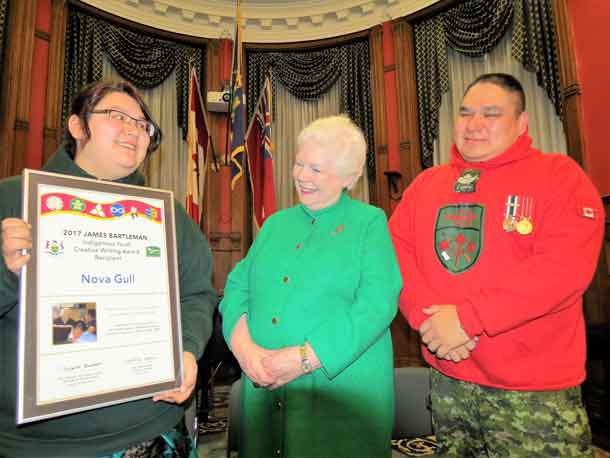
point(471, 420)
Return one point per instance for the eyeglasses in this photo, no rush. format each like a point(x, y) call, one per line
point(119, 118)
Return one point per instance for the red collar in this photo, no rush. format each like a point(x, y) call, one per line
point(517, 151)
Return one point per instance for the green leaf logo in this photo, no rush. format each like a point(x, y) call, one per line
point(153, 251)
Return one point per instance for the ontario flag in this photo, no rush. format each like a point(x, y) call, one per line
point(260, 157)
point(199, 149)
point(238, 110)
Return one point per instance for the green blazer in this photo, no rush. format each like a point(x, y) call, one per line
point(329, 277)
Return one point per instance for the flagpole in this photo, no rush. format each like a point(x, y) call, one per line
point(233, 78)
point(225, 222)
point(205, 120)
point(203, 171)
point(260, 96)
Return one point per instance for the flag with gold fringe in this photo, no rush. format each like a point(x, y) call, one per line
point(238, 109)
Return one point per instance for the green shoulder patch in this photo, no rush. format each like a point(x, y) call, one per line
point(458, 236)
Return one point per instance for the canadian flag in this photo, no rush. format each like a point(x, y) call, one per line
point(588, 212)
point(199, 149)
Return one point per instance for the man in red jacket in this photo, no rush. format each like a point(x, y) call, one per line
point(496, 249)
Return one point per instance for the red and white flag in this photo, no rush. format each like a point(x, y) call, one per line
point(199, 150)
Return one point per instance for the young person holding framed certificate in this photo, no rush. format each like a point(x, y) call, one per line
point(109, 133)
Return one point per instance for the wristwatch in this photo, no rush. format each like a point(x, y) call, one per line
point(305, 362)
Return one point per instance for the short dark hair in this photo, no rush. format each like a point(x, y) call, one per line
point(506, 82)
point(80, 325)
point(87, 99)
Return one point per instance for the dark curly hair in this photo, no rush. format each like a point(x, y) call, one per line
point(87, 99)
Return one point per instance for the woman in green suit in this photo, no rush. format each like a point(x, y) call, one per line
point(307, 313)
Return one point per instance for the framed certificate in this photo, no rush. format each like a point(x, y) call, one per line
point(99, 318)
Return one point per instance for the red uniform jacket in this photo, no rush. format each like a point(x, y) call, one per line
point(514, 250)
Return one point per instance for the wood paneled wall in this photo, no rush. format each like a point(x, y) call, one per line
point(17, 78)
point(388, 190)
point(596, 389)
point(570, 87)
point(16, 84)
point(597, 297)
point(225, 216)
point(53, 127)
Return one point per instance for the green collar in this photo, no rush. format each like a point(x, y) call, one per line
point(61, 162)
point(343, 199)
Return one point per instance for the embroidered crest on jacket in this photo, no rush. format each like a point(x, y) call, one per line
point(458, 236)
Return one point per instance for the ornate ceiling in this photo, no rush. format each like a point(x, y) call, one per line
point(266, 21)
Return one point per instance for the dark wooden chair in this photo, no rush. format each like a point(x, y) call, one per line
point(216, 360)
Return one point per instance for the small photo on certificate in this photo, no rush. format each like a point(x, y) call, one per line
point(74, 323)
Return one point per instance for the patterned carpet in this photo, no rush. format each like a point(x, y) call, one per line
point(213, 438)
point(217, 418)
point(217, 423)
point(420, 446)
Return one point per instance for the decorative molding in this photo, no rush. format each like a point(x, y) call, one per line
point(160, 8)
point(188, 15)
point(266, 21)
point(342, 14)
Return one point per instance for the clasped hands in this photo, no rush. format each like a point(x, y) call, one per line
point(443, 335)
point(269, 369)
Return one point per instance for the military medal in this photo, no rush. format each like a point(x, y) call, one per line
point(525, 226)
point(510, 213)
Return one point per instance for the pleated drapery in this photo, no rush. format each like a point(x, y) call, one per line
point(474, 28)
point(544, 125)
point(143, 60)
point(534, 45)
point(166, 168)
point(309, 74)
point(291, 115)
point(3, 21)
